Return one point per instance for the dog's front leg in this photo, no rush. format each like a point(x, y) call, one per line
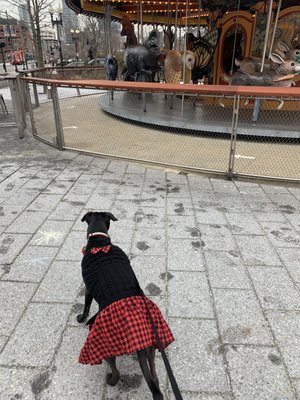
point(86, 309)
point(112, 378)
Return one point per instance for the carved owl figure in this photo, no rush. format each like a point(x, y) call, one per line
point(174, 65)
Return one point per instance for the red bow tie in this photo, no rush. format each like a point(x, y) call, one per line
point(95, 250)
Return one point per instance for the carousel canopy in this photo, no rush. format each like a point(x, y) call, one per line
point(162, 12)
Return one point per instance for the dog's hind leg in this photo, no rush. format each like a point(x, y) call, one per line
point(150, 373)
point(112, 378)
point(86, 309)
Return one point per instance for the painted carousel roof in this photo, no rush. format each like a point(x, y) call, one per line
point(162, 12)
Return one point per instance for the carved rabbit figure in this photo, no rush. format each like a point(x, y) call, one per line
point(280, 74)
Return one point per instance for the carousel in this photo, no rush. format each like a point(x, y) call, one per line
point(212, 42)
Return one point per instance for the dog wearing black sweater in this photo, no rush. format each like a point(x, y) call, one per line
point(123, 324)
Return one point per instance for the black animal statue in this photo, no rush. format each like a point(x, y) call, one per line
point(143, 61)
point(111, 68)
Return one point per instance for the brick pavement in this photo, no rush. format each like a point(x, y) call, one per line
point(220, 258)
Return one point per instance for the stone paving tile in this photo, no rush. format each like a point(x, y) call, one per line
point(260, 203)
point(147, 217)
point(11, 245)
point(297, 385)
point(27, 222)
point(121, 231)
point(188, 295)
point(72, 380)
point(3, 340)
point(295, 192)
point(285, 202)
point(211, 216)
point(294, 220)
point(149, 242)
point(222, 186)
point(269, 216)
point(111, 186)
point(180, 226)
point(231, 203)
point(10, 212)
point(23, 198)
point(275, 288)
point(217, 237)
point(274, 189)
point(130, 193)
point(76, 193)
point(132, 180)
point(258, 373)
point(45, 202)
point(151, 273)
point(177, 206)
point(290, 258)
point(251, 190)
point(185, 255)
point(71, 249)
point(36, 185)
point(288, 339)
point(243, 224)
point(16, 384)
point(196, 344)
point(135, 169)
point(198, 182)
point(14, 297)
point(31, 264)
point(226, 270)
point(281, 234)
point(124, 209)
point(177, 190)
point(51, 233)
point(58, 187)
point(60, 284)
point(99, 202)
point(240, 317)
point(67, 210)
point(173, 177)
point(152, 198)
point(68, 175)
point(24, 348)
point(256, 250)
point(201, 396)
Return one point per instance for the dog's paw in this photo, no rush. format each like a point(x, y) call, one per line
point(112, 379)
point(81, 318)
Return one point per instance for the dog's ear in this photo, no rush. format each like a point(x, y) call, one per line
point(87, 217)
point(111, 216)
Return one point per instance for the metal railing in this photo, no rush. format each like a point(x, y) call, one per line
point(229, 130)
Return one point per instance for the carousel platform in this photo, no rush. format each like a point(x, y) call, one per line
point(198, 115)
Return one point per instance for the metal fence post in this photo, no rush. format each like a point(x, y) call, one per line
point(234, 127)
point(57, 116)
point(35, 93)
point(17, 106)
point(29, 106)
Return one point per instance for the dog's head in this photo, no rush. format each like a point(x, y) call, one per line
point(98, 221)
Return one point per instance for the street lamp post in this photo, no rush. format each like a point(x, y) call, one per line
point(2, 45)
point(56, 22)
point(75, 38)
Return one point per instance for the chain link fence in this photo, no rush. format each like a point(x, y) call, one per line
point(213, 132)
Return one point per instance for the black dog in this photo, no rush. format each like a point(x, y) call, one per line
point(122, 320)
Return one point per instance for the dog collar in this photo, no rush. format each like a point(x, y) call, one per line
point(98, 234)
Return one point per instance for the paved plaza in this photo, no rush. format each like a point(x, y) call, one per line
point(220, 258)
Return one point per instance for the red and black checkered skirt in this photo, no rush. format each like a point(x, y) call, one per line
point(122, 328)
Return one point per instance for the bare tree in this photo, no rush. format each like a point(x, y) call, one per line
point(37, 13)
point(94, 30)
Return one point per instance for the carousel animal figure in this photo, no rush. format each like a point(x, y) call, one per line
point(169, 38)
point(111, 67)
point(128, 31)
point(203, 48)
point(175, 63)
point(282, 74)
point(143, 61)
point(253, 64)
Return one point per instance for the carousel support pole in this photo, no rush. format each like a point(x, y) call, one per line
point(267, 35)
point(275, 26)
point(176, 27)
point(235, 37)
point(138, 24)
point(199, 18)
point(141, 21)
